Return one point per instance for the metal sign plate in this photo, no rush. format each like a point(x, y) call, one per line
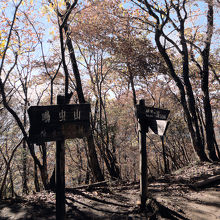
point(58, 122)
point(152, 113)
point(159, 128)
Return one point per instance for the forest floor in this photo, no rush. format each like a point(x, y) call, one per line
point(192, 192)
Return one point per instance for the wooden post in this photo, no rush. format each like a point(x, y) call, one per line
point(60, 178)
point(166, 169)
point(164, 155)
point(143, 128)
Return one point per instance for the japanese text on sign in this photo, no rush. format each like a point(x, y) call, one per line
point(46, 117)
point(155, 113)
point(56, 122)
point(75, 115)
point(62, 115)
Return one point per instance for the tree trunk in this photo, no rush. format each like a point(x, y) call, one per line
point(110, 162)
point(185, 88)
point(113, 168)
point(12, 183)
point(79, 173)
point(198, 143)
point(7, 163)
point(195, 135)
point(51, 185)
point(109, 158)
point(36, 182)
point(209, 127)
point(24, 150)
point(24, 173)
point(7, 106)
point(44, 166)
point(79, 89)
point(93, 160)
point(87, 175)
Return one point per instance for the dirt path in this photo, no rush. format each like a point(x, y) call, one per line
point(202, 205)
point(119, 203)
point(173, 198)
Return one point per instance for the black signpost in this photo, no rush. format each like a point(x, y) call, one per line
point(60, 180)
point(57, 123)
point(146, 113)
point(147, 118)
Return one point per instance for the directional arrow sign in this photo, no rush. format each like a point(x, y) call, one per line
point(159, 127)
point(152, 113)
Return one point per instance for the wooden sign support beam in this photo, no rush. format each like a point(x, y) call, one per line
point(154, 118)
point(60, 178)
point(143, 166)
point(57, 123)
point(164, 155)
point(143, 128)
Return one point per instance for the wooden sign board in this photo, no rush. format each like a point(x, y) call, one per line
point(144, 112)
point(58, 122)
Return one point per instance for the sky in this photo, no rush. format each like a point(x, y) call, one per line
point(48, 27)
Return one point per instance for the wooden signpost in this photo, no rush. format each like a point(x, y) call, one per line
point(148, 117)
point(57, 123)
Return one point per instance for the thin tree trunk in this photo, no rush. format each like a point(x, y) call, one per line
point(184, 89)
point(12, 183)
point(79, 89)
point(79, 173)
point(24, 150)
point(93, 159)
point(131, 78)
point(36, 182)
point(87, 175)
point(44, 167)
point(209, 126)
point(24, 171)
point(8, 163)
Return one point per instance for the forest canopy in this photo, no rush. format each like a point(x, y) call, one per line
point(111, 54)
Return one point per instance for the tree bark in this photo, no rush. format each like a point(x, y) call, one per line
point(4, 97)
point(186, 89)
point(209, 126)
point(24, 173)
point(44, 166)
point(93, 159)
point(12, 183)
point(8, 163)
point(36, 182)
point(195, 136)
